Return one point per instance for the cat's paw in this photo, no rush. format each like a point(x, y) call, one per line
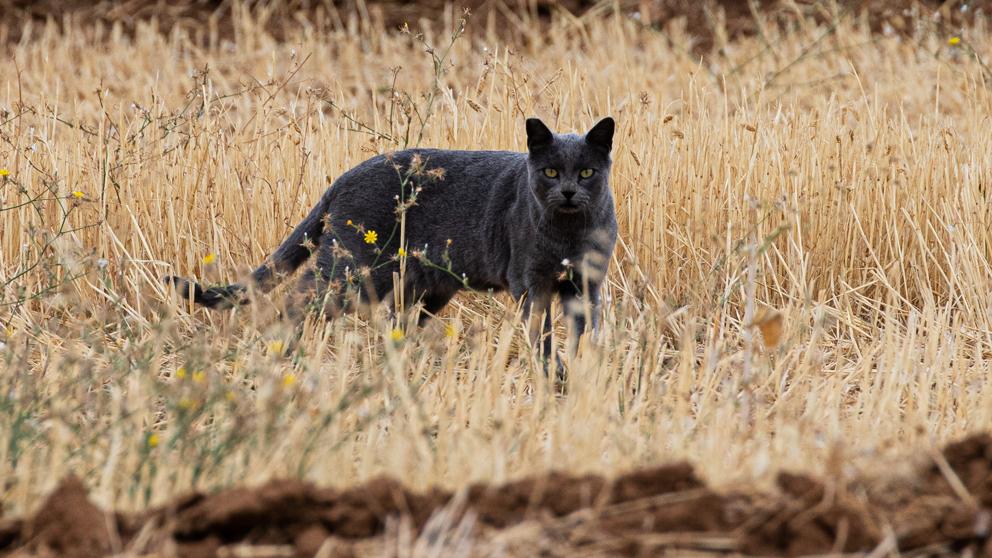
point(560, 379)
point(561, 376)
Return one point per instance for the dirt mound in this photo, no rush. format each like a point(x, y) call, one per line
point(67, 524)
point(946, 508)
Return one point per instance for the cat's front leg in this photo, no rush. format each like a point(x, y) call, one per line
point(581, 304)
point(536, 315)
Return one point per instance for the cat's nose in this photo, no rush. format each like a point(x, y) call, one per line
point(568, 194)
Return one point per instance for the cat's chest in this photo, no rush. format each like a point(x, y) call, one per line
point(560, 255)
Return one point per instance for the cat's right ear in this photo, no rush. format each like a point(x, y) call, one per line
point(538, 135)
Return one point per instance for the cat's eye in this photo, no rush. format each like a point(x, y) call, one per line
point(551, 173)
point(586, 173)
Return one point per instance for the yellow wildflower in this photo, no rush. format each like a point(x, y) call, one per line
point(199, 376)
point(401, 253)
point(4, 172)
point(276, 347)
point(209, 258)
point(348, 223)
point(153, 440)
point(396, 335)
point(78, 194)
point(186, 403)
point(449, 331)
point(181, 372)
point(229, 396)
point(288, 380)
point(371, 237)
point(954, 41)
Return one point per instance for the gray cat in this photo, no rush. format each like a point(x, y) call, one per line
point(538, 224)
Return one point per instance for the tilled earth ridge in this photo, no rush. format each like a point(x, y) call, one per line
point(944, 509)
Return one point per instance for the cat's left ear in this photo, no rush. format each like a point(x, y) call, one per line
point(601, 135)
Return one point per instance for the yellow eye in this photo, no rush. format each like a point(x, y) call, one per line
point(586, 173)
point(550, 173)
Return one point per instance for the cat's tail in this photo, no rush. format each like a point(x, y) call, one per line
point(214, 297)
point(290, 255)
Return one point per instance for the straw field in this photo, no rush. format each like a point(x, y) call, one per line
point(801, 281)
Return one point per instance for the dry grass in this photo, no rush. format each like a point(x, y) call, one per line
point(827, 178)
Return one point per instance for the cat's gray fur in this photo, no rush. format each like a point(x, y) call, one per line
point(510, 226)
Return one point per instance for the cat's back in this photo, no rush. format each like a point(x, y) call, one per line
point(440, 176)
point(428, 166)
point(464, 161)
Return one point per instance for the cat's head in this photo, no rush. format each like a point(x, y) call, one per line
point(569, 174)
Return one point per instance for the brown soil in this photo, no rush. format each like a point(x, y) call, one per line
point(946, 509)
point(702, 17)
